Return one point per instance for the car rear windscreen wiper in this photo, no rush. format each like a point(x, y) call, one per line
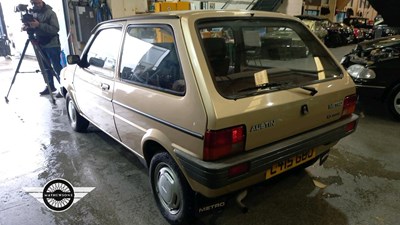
point(263, 86)
point(311, 89)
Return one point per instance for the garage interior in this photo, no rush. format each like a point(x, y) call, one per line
point(358, 184)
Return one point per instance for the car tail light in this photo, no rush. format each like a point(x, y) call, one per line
point(220, 143)
point(349, 105)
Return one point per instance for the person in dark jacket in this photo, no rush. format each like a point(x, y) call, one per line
point(45, 27)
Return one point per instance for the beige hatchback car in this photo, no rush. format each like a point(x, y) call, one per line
point(212, 102)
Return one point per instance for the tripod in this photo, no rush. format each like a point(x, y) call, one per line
point(42, 61)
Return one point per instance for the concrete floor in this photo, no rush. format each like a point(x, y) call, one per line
point(359, 183)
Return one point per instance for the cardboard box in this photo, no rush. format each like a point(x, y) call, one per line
point(183, 5)
point(164, 6)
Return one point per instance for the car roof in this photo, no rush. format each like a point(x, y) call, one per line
point(180, 14)
point(200, 13)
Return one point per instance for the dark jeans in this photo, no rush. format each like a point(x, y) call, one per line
point(53, 56)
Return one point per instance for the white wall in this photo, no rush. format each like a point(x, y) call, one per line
point(14, 25)
point(59, 10)
point(123, 8)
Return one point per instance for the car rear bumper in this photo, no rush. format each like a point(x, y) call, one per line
point(214, 175)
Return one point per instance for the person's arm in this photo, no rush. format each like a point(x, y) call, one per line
point(52, 27)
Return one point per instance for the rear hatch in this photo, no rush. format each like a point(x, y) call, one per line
point(277, 115)
point(271, 76)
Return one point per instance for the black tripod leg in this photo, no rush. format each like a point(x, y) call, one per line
point(43, 64)
point(17, 70)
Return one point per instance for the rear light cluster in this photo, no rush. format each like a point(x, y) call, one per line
point(221, 143)
point(349, 105)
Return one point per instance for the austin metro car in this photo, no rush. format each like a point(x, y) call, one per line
point(211, 102)
point(374, 66)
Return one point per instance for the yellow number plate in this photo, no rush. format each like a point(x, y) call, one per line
point(290, 163)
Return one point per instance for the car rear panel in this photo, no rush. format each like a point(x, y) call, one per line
point(269, 115)
point(274, 116)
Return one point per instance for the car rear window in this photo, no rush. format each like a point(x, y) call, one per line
point(252, 56)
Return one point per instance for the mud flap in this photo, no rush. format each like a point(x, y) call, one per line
point(323, 157)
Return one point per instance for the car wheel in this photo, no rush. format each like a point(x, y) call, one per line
point(77, 122)
point(393, 102)
point(171, 191)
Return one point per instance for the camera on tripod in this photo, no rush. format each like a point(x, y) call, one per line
point(26, 14)
point(27, 17)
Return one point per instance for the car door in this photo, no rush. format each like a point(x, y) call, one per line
point(94, 83)
point(151, 95)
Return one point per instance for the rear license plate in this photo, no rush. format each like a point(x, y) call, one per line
point(290, 163)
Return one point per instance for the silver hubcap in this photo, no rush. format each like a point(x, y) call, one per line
point(396, 103)
point(72, 111)
point(168, 189)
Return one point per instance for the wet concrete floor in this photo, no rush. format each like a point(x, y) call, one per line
point(358, 184)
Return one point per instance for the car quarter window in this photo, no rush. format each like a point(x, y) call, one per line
point(149, 58)
point(102, 56)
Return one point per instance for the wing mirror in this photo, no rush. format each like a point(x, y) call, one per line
point(73, 59)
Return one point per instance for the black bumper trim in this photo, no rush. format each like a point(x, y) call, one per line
point(215, 174)
point(369, 86)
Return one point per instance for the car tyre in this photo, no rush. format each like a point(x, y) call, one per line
point(172, 193)
point(77, 122)
point(393, 102)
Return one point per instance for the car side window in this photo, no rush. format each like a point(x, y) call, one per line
point(150, 59)
point(102, 56)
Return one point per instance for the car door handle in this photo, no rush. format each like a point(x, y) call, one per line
point(105, 87)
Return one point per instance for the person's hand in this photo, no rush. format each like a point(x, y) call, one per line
point(34, 24)
point(24, 27)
